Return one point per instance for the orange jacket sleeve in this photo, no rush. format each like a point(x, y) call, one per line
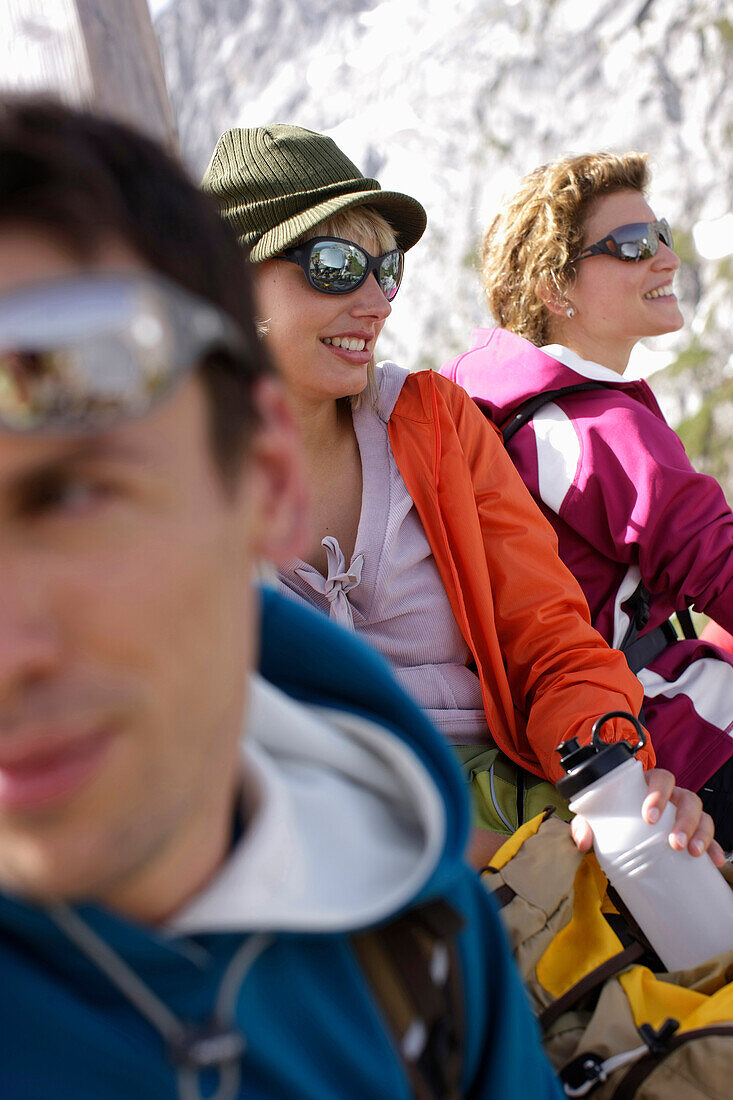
point(546, 674)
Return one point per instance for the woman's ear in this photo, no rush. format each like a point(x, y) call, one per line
point(552, 296)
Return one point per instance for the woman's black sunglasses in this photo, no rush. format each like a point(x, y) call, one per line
point(335, 266)
point(631, 243)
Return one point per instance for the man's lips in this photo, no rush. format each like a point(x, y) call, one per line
point(46, 769)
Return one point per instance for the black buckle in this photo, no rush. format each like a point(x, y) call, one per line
point(207, 1046)
point(658, 1041)
point(581, 1075)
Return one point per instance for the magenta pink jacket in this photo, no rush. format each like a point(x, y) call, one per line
point(614, 480)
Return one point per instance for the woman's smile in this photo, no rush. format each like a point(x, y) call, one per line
point(351, 347)
point(660, 292)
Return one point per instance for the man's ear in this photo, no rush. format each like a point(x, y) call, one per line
point(274, 469)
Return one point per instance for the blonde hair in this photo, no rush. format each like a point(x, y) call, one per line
point(372, 230)
point(529, 248)
point(364, 222)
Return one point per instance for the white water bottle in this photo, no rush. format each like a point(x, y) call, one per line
point(682, 903)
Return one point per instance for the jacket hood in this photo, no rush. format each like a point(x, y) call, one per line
point(349, 827)
point(314, 662)
point(501, 370)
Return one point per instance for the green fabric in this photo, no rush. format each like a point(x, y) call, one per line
point(476, 763)
point(273, 184)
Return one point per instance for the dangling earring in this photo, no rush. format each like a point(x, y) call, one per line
point(570, 312)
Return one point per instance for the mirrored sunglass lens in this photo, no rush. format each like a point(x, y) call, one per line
point(87, 386)
point(390, 274)
point(637, 242)
point(635, 250)
point(665, 232)
point(337, 267)
point(25, 394)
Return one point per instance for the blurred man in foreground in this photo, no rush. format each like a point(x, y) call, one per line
point(190, 851)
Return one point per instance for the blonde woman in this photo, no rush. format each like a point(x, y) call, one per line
point(424, 540)
point(577, 268)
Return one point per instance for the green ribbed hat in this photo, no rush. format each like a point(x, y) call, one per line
point(274, 183)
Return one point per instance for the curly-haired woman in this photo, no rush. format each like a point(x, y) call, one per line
point(576, 270)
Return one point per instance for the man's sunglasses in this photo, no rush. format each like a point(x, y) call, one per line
point(631, 243)
point(335, 266)
point(80, 354)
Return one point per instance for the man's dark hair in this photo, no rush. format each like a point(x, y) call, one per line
point(83, 178)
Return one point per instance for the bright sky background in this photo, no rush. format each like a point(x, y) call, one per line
point(713, 239)
point(158, 5)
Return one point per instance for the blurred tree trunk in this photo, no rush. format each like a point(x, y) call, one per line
point(97, 53)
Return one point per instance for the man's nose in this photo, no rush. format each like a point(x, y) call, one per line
point(30, 643)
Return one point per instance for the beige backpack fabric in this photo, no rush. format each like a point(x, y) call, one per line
point(615, 1025)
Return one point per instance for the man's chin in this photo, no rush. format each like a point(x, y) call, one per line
point(57, 863)
point(43, 877)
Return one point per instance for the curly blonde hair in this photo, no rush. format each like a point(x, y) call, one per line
point(529, 248)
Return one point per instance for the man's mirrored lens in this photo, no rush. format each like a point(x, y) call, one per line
point(96, 382)
point(81, 354)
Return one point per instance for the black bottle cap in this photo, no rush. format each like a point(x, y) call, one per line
point(585, 764)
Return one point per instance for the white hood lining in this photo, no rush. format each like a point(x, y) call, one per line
point(585, 367)
point(349, 827)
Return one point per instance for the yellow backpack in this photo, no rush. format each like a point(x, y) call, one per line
point(614, 1024)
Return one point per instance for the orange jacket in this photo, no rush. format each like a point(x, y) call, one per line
point(545, 673)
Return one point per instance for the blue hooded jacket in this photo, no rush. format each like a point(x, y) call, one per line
point(282, 968)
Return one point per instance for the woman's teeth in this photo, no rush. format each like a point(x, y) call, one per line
point(348, 343)
point(660, 292)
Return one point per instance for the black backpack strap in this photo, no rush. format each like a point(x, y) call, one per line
point(684, 618)
point(640, 651)
point(413, 967)
point(524, 412)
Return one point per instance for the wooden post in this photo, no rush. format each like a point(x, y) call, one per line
point(99, 53)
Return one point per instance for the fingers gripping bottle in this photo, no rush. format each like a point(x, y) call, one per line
point(681, 902)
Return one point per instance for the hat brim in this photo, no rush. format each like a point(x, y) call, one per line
point(405, 214)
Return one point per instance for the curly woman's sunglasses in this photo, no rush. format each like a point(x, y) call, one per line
point(631, 243)
point(335, 266)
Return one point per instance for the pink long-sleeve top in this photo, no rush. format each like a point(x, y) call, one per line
point(391, 591)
